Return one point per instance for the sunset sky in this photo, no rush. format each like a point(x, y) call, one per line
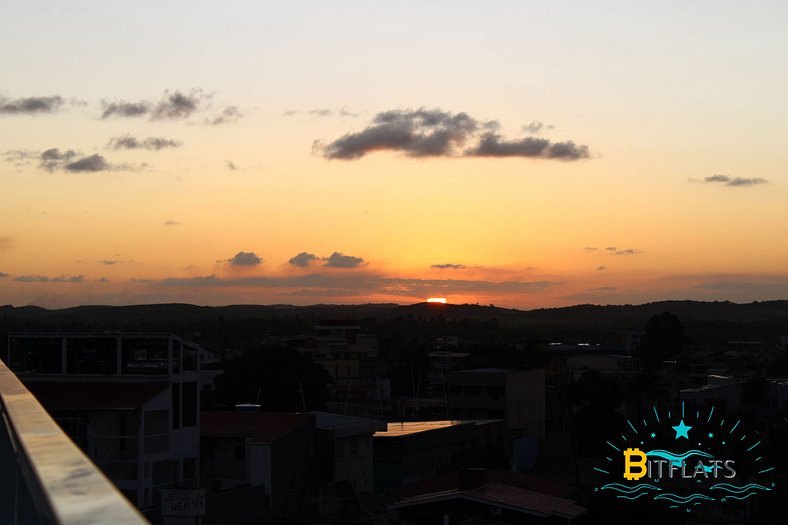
point(520, 153)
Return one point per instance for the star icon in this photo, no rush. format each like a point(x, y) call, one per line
point(682, 430)
point(653, 435)
point(711, 435)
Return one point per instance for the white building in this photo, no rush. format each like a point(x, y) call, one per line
point(129, 400)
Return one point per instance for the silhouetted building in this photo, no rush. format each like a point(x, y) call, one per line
point(269, 450)
point(517, 396)
point(129, 400)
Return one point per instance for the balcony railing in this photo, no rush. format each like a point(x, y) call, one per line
point(44, 477)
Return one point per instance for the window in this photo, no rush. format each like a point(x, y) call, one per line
point(176, 405)
point(189, 416)
point(91, 356)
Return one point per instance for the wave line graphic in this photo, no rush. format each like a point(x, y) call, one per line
point(735, 489)
point(742, 497)
point(632, 497)
point(675, 498)
point(629, 489)
point(676, 457)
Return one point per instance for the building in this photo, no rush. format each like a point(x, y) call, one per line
point(271, 451)
point(410, 452)
point(517, 396)
point(129, 400)
point(345, 461)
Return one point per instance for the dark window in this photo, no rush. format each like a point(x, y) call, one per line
point(189, 358)
point(189, 416)
point(91, 356)
point(189, 467)
point(145, 356)
point(42, 355)
point(165, 471)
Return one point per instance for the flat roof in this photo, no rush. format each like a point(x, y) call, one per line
point(406, 428)
point(346, 425)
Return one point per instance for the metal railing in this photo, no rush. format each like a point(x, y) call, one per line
point(44, 477)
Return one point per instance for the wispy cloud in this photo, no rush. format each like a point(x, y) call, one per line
point(448, 266)
point(230, 165)
point(30, 105)
point(172, 223)
point(150, 143)
point(54, 159)
point(173, 105)
point(228, 115)
point(735, 181)
point(46, 279)
point(628, 251)
point(359, 283)
point(438, 133)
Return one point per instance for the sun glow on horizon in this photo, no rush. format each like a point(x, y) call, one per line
point(440, 300)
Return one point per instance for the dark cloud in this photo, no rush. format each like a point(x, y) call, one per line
point(736, 181)
point(55, 159)
point(321, 112)
point(590, 248)
point(419, 133)
point(171, 223)
point(628, 251)
point(30, 105)
point(228, 115)
point(303, 259)
point(601, 268)
point(230, 165)
point(603, 289)
point(125, 109)
point(45, 279)
point(93, 162)
point(150, 143)
point(338, 260)
point(110, 262)
point(176, 105)
point(430, 133)
point(289, 113)
point(611, 248)
point(492, 145)
point(245, 259)
point(2, 275)
point(448, 266)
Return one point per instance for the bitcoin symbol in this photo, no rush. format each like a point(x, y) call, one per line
point(629, 463)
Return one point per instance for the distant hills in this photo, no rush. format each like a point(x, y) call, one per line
point(587, 314)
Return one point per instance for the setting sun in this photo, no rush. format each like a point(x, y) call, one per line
point(441, 300)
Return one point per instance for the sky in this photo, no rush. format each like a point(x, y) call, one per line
point(523, 154)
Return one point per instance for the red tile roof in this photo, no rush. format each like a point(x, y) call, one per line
point(265, 427)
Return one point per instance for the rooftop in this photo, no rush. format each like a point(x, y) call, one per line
point(263, 427)
point(406, 428)
point(346, 425)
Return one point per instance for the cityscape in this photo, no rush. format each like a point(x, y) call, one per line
point(324, 262)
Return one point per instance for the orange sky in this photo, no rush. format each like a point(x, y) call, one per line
point(532, 155)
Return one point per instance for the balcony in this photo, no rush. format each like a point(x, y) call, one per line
point(44, 477)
